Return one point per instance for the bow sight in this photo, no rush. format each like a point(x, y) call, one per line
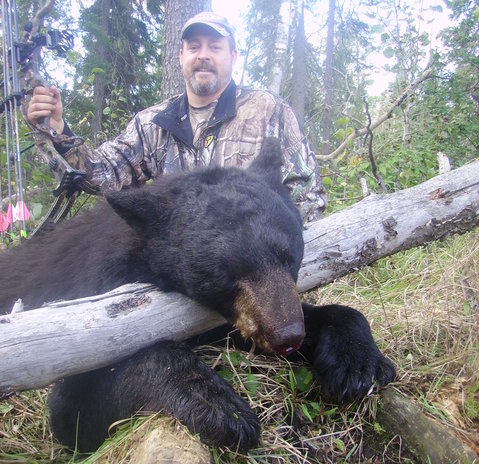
point(53, 39)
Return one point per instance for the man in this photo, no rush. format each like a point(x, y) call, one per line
point(213, 123)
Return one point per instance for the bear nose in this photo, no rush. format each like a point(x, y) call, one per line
point(288, 339)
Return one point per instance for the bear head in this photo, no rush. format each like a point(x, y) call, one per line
point(230, 239)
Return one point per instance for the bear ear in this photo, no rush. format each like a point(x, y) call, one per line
point(137, 206)
point(269, 161)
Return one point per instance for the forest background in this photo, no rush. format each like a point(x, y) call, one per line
point(330, 71)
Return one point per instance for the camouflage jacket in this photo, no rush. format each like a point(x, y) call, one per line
point(159, 140)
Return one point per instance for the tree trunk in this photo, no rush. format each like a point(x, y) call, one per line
point(326, 122)
point(281, 47)
point(99, 79)
point(67, 338)
point(298, 95)
point(176, 14)
point(249, 46)
point(381, 225)
point(96, 331)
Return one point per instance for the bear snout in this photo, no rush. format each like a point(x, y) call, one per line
point(288, 339)
point(268, 310)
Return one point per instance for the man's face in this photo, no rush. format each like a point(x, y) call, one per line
point(207, 62)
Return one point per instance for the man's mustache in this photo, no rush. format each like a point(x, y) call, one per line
point(204, 68)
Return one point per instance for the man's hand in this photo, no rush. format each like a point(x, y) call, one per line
point(46, 103)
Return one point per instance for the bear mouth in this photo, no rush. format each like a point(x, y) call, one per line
point(290, 340)
point(269, 311)
point(283, 349)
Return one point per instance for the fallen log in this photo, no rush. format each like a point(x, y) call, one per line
point(69, 337)
point(381, 225)
point(426, 438)
point(38, 347)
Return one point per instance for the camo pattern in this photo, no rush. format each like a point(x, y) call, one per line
point(145, 150)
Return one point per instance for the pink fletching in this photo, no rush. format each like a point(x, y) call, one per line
point(10, 213)
point(4, 221)
point(20, 212)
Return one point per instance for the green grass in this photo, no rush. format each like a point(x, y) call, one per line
point(421, 317)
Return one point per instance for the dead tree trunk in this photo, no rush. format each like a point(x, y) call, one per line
point(64, 338)
point(381, 225)
point(381, 119)
point(38, 347)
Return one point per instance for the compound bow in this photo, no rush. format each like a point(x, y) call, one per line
point(25, 55)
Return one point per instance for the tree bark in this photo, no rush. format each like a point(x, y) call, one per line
point(299, 68)
point(381, 225)
point(99, 78)
point(176, 15)
point(426, 438)
point(38, 347)
point(326, 123)
point(281, 47)
point(41, 346)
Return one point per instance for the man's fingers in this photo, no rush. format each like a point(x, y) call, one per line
point(41, 98)
point(40, 106)
point(51, 91)
point(34, 115)
point(40, 91)
point(39, 109)
point(46, 103)
point(54, 92)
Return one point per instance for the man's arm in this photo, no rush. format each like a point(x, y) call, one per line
point(301, 171)
point(114, 164)
point(110, 167)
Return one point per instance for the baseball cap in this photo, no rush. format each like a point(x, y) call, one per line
point(216, 22)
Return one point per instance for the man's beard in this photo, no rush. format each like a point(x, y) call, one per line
point(205, 88)
point(210, 87)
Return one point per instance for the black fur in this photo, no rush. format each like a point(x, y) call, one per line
point(342, 350)
point(197, 233)
point(201, 233)
point(167, 377)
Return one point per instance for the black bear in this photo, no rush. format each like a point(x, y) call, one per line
point(228, 238)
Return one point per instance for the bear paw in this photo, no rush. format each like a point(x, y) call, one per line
point(346, 360)
point(167, 377)
point(220, 416)
point(201, 400)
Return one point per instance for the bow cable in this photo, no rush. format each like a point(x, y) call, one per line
point(17, 95)
point(6, 37)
